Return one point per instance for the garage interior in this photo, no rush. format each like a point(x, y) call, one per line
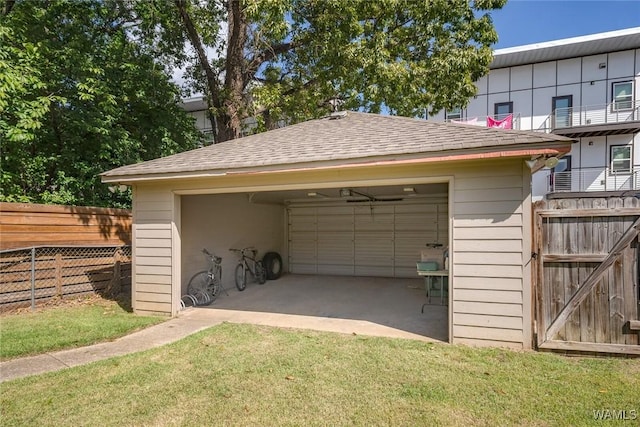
point(349, 252)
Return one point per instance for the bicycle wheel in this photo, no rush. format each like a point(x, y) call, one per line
point(241, 277)
point(214, 287)
point(261, 274)
point(199, 283)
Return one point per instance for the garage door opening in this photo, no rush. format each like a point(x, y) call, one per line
point(349, 252)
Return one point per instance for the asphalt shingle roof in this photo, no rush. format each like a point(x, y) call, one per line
point(354, 136)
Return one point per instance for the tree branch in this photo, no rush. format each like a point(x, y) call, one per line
point(264, 56)
point(214, 99)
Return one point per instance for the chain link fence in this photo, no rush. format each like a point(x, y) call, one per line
point(33, 276)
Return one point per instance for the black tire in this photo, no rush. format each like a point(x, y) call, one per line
point(272, 262)
point(241, 278)
point(198, 283)
point(261, 275)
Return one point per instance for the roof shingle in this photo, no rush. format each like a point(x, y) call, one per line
point(354, 136)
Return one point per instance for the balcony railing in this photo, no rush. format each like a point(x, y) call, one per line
point(589, 115)
point(483, 120)
point(594, 179)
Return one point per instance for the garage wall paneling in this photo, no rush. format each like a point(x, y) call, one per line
point(364, 239)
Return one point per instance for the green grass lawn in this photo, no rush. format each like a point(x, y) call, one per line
point(262, 376)
point(75, 323)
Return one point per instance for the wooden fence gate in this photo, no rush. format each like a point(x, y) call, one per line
point(586, 267)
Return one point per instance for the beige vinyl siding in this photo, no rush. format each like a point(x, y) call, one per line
point(488, 298)
point(152, 248)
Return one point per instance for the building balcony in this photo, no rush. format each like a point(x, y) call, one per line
point(595, 120)
point(594, 179)
point(484, 121)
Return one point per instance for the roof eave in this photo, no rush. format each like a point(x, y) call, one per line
point(521, 151)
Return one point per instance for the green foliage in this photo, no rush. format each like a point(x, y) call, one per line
point(79, 96)
point(84, 85)
point(387, 55)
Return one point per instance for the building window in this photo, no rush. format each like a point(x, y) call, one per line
point(622, 96)
point(561, 111)
point(621, 158)
point(502, 110)
point(453, 114)
point(560, 177)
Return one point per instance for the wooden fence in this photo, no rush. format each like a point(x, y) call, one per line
point(586, 267)
point(26, 225)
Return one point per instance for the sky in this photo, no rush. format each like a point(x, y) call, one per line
point(522, 22)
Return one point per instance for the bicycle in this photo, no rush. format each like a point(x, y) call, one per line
point(206, 285)
point(251, 264)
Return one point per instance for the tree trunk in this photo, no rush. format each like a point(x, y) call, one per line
point(230, 117)
point(214, 99)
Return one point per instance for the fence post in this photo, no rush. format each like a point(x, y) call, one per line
point(58, 267)
point(33, 279)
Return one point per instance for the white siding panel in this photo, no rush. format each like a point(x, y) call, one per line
point(544, 74)
point(153, 279)
point(477, 107)
point(488, 254)
point(488, 208)
point(488, 182)
point(151, 205)
point(521, 77)
point(542, 107)
point(591, 67)
point(153, 297)
point(482, 85)
point(473, 221)
point(489, 233)
point(499, 80)
point(160, 252)
point(151, 288)
point(147, 307)
point(493, 283)
point(153, 261)
point(523, 108)
point(494, 195)
point(483, 333)
point(487, 321)
point(472, 245)
point(487, 296)
point(153, 243)
point(153, 216)
point(489, 308)
point(489, 258)
point(495, 270)
point(569, 71)
point(153, 233)
point(153, 270)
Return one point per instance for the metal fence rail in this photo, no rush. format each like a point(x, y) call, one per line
point(32, 276)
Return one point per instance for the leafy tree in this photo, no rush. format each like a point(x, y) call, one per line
point(84, 85)
point(78, 96)
point(284, 59)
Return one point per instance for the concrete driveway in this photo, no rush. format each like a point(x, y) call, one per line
point(362, 305)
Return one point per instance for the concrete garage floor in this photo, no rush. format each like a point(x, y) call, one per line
point(362, 305)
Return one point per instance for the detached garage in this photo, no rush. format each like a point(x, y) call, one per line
point(352, 194)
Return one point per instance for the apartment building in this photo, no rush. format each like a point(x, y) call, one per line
point(585, 88)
